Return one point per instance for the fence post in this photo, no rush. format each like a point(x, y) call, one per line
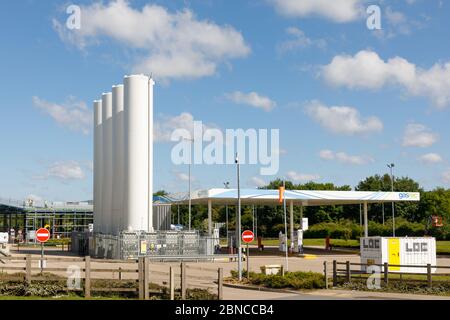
point(325, 274)
point(120, 273)
point(347, 271)
point(146, 278)
point(141, 277)
point(183, 281)
point(386, 273)
point(220, 284)
point(87, 277)
point(172, 284)
point(334, 273)
point(28, 269)
point(429, 275)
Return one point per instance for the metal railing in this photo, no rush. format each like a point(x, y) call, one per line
point(348, 273)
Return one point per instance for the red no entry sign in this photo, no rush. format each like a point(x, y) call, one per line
point(42, 235)
point(247, 236)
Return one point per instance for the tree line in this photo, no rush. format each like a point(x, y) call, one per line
point(270, 218)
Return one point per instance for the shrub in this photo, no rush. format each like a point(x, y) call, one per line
point(21, 288)
point(296, 280)
point(331, 229)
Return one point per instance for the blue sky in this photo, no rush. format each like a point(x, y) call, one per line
point(347, 100)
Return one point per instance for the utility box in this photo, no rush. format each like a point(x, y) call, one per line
point(272, 269)
point(399, 251)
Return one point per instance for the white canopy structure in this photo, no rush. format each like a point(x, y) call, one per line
point(300, 198)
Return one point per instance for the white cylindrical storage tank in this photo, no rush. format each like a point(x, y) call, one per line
point(151, 83)
point(136, 107)
point(97, 166)
point(107, 173)
point(118, 177)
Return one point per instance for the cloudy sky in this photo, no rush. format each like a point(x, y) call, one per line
point(346, 99)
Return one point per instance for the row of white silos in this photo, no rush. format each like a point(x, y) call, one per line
point(123, 157)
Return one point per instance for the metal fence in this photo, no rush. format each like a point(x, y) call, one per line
point(132, 245)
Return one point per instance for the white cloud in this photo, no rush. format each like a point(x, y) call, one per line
point(342, 120)
point(299, 40)
point(64, 170)
point(339, 11)
point(345, 158)
point(394, 17)
point(72, 114)
point(446, 176)
point(252, 99)
point(366, 70)
point(169, 45)
point(181, 176)
point(302, 177)
point(418, 135)
point(167, 124)
point(431, 158)
point(257, 181)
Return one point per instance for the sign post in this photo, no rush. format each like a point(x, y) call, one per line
point(247, 237)
point(42, 235)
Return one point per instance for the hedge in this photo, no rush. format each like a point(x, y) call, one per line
point(346, 229)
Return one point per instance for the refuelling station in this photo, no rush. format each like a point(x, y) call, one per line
point(126, 222)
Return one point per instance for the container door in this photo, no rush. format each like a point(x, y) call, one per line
point(394, 253)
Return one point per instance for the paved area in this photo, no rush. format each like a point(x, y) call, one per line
point(204, 274)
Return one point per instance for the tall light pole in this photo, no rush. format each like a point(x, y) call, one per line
point(238, 222)
point(227, 186)
point(391, 166)
point(190, 162)
point(285, 225)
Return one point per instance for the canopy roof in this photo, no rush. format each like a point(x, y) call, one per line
point(298, 197)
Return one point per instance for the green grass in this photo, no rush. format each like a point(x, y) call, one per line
point(443, 247)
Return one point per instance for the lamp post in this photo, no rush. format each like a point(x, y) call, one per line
point(285, 225)
point(238, 222)
point(227, 186)
point(391, 166)
point(190, 162)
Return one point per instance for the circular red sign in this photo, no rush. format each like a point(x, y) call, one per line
point(42, 235)
point(247, 236)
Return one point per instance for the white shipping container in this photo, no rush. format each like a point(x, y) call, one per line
point(399, 251)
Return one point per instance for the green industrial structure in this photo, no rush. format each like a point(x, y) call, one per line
point(21, 218)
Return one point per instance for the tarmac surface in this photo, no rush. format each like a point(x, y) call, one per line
point(204, 274)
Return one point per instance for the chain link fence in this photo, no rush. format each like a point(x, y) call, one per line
point(132, 245)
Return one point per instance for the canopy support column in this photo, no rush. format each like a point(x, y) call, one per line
point(210, 218)
point(291, 222)
point(366, 222)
